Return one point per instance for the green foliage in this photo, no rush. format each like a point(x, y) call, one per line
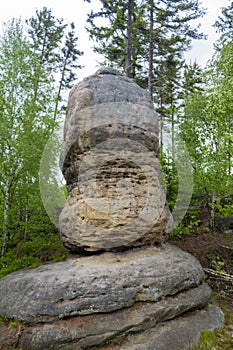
point(227, 317)
point(207, 340)
point(206, 127)
point(225, 22)
point(223, 209)
point(17, 264)
point(170, 179)
point(55, 44)
point(15, 323)
point(26, 123)
point(218, 265)
point(30, 62)
point(188, 225)
point(171, 34)
point(181, 230)
point(32, 253)
point(214, 340)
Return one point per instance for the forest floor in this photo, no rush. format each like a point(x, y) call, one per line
point(215, 252)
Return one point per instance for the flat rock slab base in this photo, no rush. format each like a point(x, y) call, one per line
point(143, 325)
point(97, 284)
point(176, 334)
point(152, 298)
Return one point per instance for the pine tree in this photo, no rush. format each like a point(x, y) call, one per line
point(128, 55)
point(56, 46)
point(192, 78)
point(119, 39)
point(157, 29)
point(225, 23)
point(67, 65)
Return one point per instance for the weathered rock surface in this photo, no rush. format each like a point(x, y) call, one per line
point(177, 334)
point(141, 299)
point(110, 160)
point(97, 284)
point(84, 332)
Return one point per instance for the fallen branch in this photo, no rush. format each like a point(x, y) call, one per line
point(225, 247)
point(219, 274)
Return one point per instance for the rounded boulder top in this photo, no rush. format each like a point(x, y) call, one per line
point(108, 70)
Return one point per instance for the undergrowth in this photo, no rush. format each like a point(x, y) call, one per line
point(222, 340)
point(32, 253)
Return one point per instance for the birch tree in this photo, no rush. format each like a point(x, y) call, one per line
point(25, 123)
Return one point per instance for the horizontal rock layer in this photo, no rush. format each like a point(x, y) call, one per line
point(97, 284)
point(149, 298)
point(177, 334)
point(84, 332)
point(110, 160)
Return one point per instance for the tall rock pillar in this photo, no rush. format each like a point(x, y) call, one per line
point(110, 160)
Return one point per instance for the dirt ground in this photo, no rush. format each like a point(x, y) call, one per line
point(215, 252)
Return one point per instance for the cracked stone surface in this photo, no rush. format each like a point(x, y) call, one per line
point(84, 332)
point(101, 283)
point(177, 334)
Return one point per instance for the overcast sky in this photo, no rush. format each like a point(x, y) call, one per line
point(76, 10)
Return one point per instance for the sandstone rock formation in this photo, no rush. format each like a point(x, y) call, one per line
point(101, 283)
point(119, 299)
point(110, 160)
point(128, 289)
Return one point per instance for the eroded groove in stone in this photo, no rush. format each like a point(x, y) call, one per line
point(87, 331)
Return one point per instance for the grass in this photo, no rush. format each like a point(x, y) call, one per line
point(15, 323)
point(219, 340)
point(222, 340)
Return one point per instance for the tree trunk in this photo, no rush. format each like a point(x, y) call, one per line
point(151, 49)
point(229, 156)
point(212, 211)
point(128, 59)
point(5, 217)
point(25, 235)
point(60, 87)
point(173, 130)
point(161, 126)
